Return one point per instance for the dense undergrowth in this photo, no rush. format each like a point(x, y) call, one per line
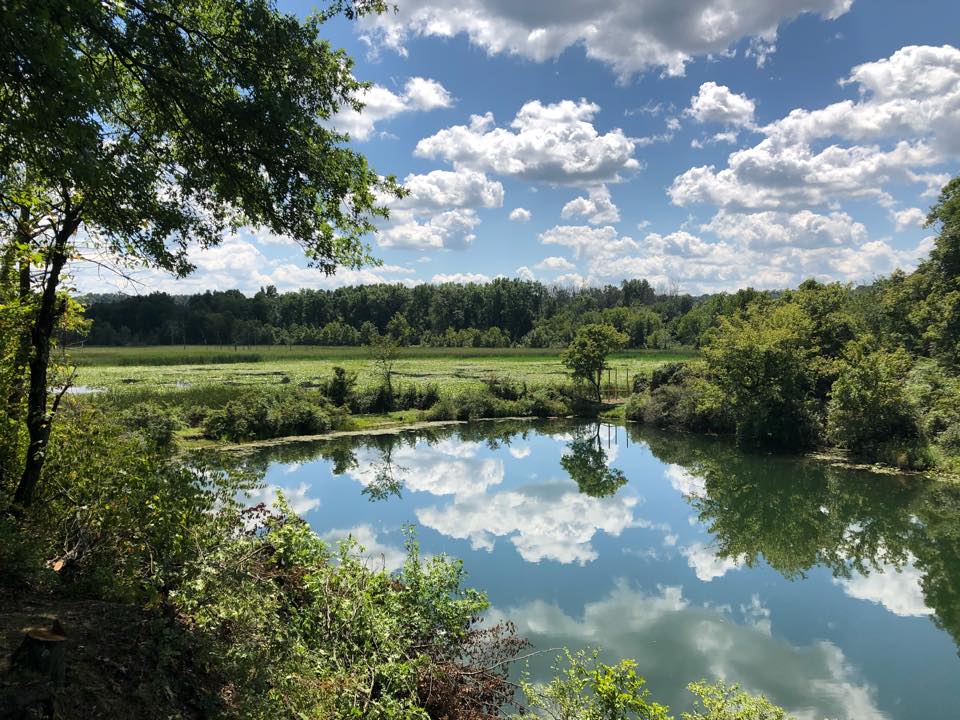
point(247, 613)
point(244, 413)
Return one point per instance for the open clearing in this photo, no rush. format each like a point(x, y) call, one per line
point(172, 367)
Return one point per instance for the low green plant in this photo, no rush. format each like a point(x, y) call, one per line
point(157, 423)
point(265, 414)
point(584, 688)
point(340, 387)
point(718, 701)
point(305, 630)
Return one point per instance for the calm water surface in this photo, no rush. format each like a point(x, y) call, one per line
point(836, 593)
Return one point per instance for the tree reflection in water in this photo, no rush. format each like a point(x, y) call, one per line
point(798, 513)
point(794, 513)
point(587, 464)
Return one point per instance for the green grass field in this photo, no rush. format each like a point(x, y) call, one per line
point(141, 370)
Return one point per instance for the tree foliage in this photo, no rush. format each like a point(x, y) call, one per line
point(144, 128)
point(586, 355)
point(868, 406)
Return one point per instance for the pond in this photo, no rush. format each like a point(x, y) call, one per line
point(834, 592)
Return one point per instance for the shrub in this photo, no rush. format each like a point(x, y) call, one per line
point(950, 438)
point(376, 399)
point(902, 453)
point(307, 631)
point(717, 701)
point(372, 399)
point(121, 520)
point(471, 404)
point(669, 374)
point(544, 402)
point(584, 687)
point(264, 414)
point(641, 383)
point(505, 389)
point(340, 387)
point(635, 406)
point(157, 423)
point(868, 408)
point(935, 392)
point(417, 397)
point(681, 398)
point(478, 402)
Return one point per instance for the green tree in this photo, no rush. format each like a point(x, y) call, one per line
point(586, 355)
point(868, 407)
point(147, 127)
point(386, 352)
point(761, 361)
point(935, 284)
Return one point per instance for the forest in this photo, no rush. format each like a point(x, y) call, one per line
point(502, 313)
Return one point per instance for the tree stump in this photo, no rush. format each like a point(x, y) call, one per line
point(43, 651)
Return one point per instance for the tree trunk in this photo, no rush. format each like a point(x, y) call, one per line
point(38, 418)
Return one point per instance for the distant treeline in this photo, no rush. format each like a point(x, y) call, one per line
point(502, 313)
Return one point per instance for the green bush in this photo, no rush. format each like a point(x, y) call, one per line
point(868, 409)
point(681, 398)
point(375, 398)
point(157, 423)
point(634, 407)
point(478, 402)
point(21, 559)
point(416, 397)
point(471, 404)
point(935, 391)
point(584, 688)
point(669, 374)
point(264, 414)
point(116, 518)
point(544, 402)
point(340, 388)
point(902, 453)
point(505, 389)
point(372, 399)
point(641, 383)
point(950, 438)
point(306, 631)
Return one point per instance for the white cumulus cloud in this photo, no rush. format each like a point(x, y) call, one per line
point(555, 262)
point(597, 208)
point(380, 104)
point(718, 104)
point(555, 143)
point(903, 121)
point(911, 217)
point(627, 35)
point(520, 215)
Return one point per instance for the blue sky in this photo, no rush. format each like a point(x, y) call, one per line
point(705, 145)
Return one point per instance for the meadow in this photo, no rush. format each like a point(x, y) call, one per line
point(147, 370)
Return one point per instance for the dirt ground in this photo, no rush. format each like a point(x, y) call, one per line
point(114, 668)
